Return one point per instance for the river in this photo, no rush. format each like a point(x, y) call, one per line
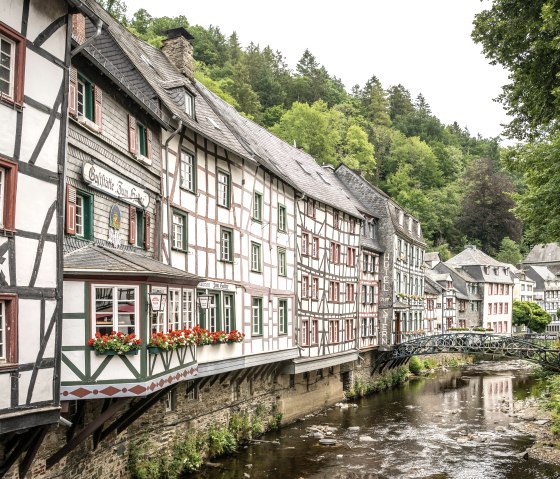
point(455, 424)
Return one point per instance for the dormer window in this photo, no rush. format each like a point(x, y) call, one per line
point(401, 218)
point(189, 104)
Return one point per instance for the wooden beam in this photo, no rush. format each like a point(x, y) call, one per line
point(25, 464)
point(22, 444)
point(203, 382)
point(77, 420)
point(84, 433)
point(134, 412)
point(224, 377)
point(213, 380)
point(97, 433)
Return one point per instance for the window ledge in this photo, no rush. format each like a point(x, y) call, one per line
point(90, 125)
point(8, 101)
point(4, 231)
point(184, 188)
point(8, 366)
point(143, 159)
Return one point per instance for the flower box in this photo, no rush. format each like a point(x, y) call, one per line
point(217, 352)
point(154, 350)
point(112, 352)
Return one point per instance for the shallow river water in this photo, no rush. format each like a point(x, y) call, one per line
point(451, 425)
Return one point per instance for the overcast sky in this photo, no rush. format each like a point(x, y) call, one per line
point(423, 44)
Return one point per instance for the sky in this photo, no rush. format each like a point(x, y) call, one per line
point(424, 45)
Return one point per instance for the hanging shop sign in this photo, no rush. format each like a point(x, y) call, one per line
point(214, 285)
point(103, 180)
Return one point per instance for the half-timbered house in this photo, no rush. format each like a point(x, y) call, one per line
point(402, 276)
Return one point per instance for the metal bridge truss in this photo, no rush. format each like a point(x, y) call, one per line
point(470, 343)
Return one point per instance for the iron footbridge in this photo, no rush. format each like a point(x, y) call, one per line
point(535, 350)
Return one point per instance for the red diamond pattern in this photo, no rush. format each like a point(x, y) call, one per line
point(81, 392)
point(110, 391)
point(137, 389)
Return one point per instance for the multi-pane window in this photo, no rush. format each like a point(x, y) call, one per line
point(315, 247)
point(305, 286)
point(333, 331)
point(365, 327)
point(188, 171)
point(351, 260)
point(282, 268)
point(2, 194)
point(226, 244)
point(335, 253)
point(79, 215)
point(179, 234)
point(282, 316)
point(257, 206)
point(85, 99)
point(349, 329)
point(364, 294)
point(311, 208)
point(350, 293)
point(7, 66)
point(334, 291)
point(189, 104)
point(139, 227)
point(282, 218)
point(255, 257)
point(142, 139)
point(305, 243)
point(188, 309)
point(314, 288)
point(115, 309)
point(314, 332)
point(336, 220)
point(83, 215)
point(256, 316)
point(372, 294)
point(2, 330)
point(224, 188)
point(229, 322)
point(174, 308)
point(305, 332)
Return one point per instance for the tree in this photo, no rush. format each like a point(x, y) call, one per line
point(443, 250)
point(400, 102)
point(527, 313)
point(357, 151)
point(486, 208)
point(523, 36)
point(509, 252)
point(115, 8)
point(375, 105)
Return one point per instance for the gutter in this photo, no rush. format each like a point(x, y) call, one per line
point(89, 41)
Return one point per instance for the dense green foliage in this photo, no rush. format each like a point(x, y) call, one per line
point(394, 139)
point(527, 313)
point(523, 37)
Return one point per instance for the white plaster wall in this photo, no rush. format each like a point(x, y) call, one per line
point(34, 122)
point(35, 197)
point(5, 266)
point(73, 331)
point(42, 78)
point(116, 369)
point(5, 386)
point(47, 270)
point(24, 380)
point(77, 358)
point(43, 390)
point(8, 121)
point(29, 315)
point(10, 13)
point(73, 297)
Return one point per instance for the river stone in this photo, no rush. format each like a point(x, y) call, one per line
point(318, 435)
point(366, 439)
point(542, 422)
point(327, 442)
point(354, 428)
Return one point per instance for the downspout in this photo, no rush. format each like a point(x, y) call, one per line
point(168, 194)
point(89, 41)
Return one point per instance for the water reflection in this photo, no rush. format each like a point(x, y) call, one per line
point(455, 425)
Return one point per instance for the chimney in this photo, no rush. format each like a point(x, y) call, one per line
point(178, 49)
point(79, 28)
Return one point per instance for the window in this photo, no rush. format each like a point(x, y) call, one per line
point(85, 99)
point(188, 309)
point(226, 245)
point(315, 247)
point(489, 308)
point(12, 64)
point(349, 329)
point(305, 332)
point(334, 291)
point(283, 316)
point(364, 294)
point(229, 316)
point(350, 292)
point(372, 295)
point(256, 317)
point(365, 327)
point(315, 288)
point(84, 205)
point(257, 206)
point(188, 171)
point(351, 260)
point(282, 218)
point(142, 139)
point(506, 308)
point(174, 308)
point(179, 231)
point(305, 286)
point(189, 104)
point(335, 253)
point(171, 401)
point(255, 257)
point(224, 188)
point(282, 270)
point(333, 332)
point(311, 208)
point(314, 332)
point(304, 243)
point(139, 228)
point(336, 220)
point(8, 328)
point(115, 309)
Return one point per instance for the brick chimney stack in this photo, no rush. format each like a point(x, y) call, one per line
point(178, 49)
point(79, 28)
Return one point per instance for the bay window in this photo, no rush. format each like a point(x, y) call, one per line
point(115, 308)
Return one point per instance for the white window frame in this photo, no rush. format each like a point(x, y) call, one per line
point(282, 262)
point(80, 98)
point(3, 331)
point(226, 245)
point(282, 316)
point(224, 187)
point(158, 319)
point(176, 242)
point(174, 299)
point(187, 167)
point(12, 66)
point(256, 317)
point(256, 260)
point(115, 288)
point(229, 313)
point(189, 104)
point(257, 206)
point(282, 218)
point(2, 194)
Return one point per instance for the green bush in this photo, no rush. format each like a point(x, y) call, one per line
point(416, 366)
point(186, 456)
point(220, 441)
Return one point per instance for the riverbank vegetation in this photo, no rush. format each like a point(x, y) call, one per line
point(550, 400)
point(188, 450)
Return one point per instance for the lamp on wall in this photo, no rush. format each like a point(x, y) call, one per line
point(157, 301)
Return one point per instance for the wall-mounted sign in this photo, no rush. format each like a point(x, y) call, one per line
point(214, 285)
point(206, 301)
point(115, 217)
point(157, 301)
point(103, 180)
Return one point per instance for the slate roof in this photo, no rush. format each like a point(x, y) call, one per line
point(292, 164)
point(472, 256)
point(460, 280)
point(431, 256)
point(431, 287)
point(94, 259)
point(543, 253)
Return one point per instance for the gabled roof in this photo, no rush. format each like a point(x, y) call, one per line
point(297, 167)
point(543, 272)
point(431, 287)
point(543, 253)
point(95, 260)
point(472, 256)
point(430, 256)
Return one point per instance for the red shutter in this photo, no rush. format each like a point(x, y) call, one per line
point(73, 92)
point(149, 144)
point(147, 231)
point(132, 224)
point(132, 134)
point(70, 210)
point(97, 102)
